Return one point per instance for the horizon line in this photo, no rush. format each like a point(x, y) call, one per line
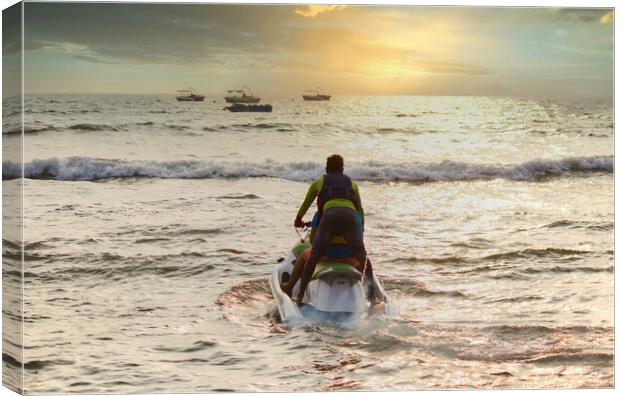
point(612, 96)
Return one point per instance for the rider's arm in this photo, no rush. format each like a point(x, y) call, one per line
point(310, 196)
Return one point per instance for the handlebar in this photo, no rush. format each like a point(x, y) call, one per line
point(304, 227)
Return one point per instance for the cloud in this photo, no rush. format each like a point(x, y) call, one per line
point(607, 18)
point(226, 39)
point(445, 48)
point(312, 11)
point(93, 59)
point(11, 30)
point(11, 47)
point(62, 47)
point(582, 14)
point(152, 34)
point(439, 67)
point(340, 50)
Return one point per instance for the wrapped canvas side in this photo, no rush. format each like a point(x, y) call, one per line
point(12, 199)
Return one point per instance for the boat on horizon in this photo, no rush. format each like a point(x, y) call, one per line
point(247, 108)
point(191, 96)
point(318, 96)
point(243, 95)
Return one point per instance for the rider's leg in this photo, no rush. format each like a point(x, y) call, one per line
point(355, 238)
point(287, 287)
point(319, 244)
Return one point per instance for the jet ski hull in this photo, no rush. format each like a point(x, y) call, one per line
point(337, 298)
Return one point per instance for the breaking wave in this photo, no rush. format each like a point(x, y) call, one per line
point(93, 127)
point(17, 130)
point(88, 169)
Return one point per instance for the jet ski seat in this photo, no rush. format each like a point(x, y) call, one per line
point(337, 272)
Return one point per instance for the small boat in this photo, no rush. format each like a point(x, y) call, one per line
point(240, 107)
point(337, 293)
point(318, 95)
point(243, 95)
point(191, 96)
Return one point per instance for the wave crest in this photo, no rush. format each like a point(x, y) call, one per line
point(88, 169)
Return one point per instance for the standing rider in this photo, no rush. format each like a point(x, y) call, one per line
point(339, 203)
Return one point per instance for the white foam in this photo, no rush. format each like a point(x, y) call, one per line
point(81, 168)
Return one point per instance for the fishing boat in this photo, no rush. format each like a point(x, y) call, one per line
point(241, 107)
point(191, 96)
point(243, 95)
point(319, 95)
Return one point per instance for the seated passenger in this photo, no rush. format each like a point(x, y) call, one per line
point(337, 250)
point(338, 200)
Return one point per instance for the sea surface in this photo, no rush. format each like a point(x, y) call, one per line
point(151, 227)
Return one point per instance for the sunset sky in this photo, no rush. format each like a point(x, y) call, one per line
point(282, 50)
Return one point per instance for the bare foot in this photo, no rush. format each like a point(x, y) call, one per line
point(378, 306)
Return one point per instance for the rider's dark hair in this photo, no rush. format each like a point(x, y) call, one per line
point(335, 164)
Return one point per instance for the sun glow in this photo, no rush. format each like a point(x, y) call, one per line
point(312, 11)
point(349, 49)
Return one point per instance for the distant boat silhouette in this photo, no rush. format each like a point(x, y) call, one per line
point(318, 96)
point(191, 96)
point(246, 96)
point(244, 108)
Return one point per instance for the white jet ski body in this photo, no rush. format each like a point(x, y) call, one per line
point(336, 293)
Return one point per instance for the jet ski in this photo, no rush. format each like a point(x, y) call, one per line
point(337, 292)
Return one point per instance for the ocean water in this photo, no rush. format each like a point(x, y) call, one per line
point(151, 227)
